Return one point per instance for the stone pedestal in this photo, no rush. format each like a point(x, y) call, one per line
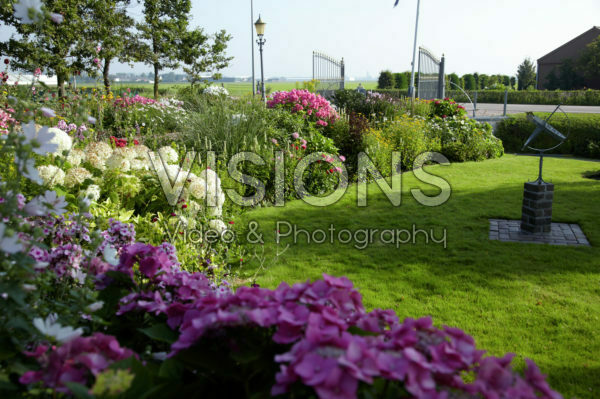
point(537, 207)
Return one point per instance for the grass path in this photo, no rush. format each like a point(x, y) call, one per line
point(539, 301)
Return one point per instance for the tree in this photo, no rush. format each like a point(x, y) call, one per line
point(386, 80)
point(476, 77)
point(470, 83)
point(589, 61)
point(57, 47)
point(110, 35)
point(506, 80)
point(513, 82)
point(484, 81)
point(526, 74)
point(204, 56)
point(401, 81)
point(165, 41)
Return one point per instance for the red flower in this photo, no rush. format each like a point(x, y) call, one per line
point(231, 222)
point(6, 61)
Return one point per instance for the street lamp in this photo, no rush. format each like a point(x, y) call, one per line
point(260, 32)
point(412, 75)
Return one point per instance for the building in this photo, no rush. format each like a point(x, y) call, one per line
point(571, 50)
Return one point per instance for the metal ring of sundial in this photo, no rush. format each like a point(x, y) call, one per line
point(544, 126)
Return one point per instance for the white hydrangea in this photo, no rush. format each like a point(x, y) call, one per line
point(93, 192)
point(213, 183)
point(197, 188)
point(138, 164)
point(61, 139)
point(96, 161)
point(217, 225)
point(117, 162)
point(141, 151)
point(128, 153)
point(76, 156)
point(214, 90)
point(76, 176)
point(215, 211)
point(168, 155)
point(100, 149)
point(51, 175)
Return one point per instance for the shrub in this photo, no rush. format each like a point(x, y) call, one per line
point(447, 108)
point(585, 133)
point(386, 80)
point(313, 106)
point(406, 134)
point(348, 137)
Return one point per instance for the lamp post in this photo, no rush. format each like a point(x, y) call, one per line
point(412, 75)
point(252, 45)
point(260, 32)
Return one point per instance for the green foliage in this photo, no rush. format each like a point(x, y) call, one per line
point(470, 83)
point(569, 77)
point(386, 80)
point(402, 80)
point(59, 49)
point(578, 97)
point(585, 133)
point(526, 74)
point(590, 59)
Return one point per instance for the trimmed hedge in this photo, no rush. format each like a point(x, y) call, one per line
point(542, 97)
point(584, 139)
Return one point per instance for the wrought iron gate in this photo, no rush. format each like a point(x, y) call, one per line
point(431, 82)
point(328, 72)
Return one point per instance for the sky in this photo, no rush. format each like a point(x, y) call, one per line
point(485, 36)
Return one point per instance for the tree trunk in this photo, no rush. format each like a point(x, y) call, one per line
point(105, 75)
point(60, 81)
point(156, 70)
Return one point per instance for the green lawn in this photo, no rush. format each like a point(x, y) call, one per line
point(235, 89)
point(539, 301)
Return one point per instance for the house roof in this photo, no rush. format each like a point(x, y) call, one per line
point(595, 28)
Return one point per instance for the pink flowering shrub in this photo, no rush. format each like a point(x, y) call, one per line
point(309, 338)
point(75, 361)
point(315, 107)
point(6, 120)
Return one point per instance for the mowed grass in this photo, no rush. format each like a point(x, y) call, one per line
point(237, 89)
point(539, 301)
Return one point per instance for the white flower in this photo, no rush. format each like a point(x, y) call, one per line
point(93, 192)
point(51, 175)
point(56, 18)
point(96, 306)
point(141, 151)
point(99, 149)
point(42, 140)
point(215, 211)
point(138, 164)
point(54, 203)
point(78, 275)
point(27, 168)
point(61, 139)
point(75, 157)
point(117, 162)
point(168, 155)
point(35, 207)
point(48, 112)
point(217, 225)
point(197, 188)
point(216, 91)
point(91, 120)
point(96, 161)
point(110, 255)
point(213, 183)
point(51, 328)
point(10, 245)
point(128, 153)
point(76, 176)
point(24, 7)
point(29, 287)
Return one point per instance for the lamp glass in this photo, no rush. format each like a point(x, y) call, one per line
point(260, 26)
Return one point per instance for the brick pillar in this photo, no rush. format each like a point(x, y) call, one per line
point(537, 207)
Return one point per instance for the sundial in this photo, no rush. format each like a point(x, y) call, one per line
point(539, 195)
point(544, 126)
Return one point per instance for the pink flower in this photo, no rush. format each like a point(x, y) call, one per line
point(342, 158)
point(274, 141)
point(37, 72)
point(295, 135)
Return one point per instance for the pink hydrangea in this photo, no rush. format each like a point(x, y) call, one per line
point(74, 361)
point(316, 107)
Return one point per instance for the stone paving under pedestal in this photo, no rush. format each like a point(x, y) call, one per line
point(561, 233)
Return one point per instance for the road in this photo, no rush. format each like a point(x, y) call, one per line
point(498, 109)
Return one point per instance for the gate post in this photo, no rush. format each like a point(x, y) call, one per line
point(343, 70)
point(442, 79)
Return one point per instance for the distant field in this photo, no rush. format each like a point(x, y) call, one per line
point(235, 89)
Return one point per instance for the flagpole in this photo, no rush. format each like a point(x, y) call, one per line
point(252, 44)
